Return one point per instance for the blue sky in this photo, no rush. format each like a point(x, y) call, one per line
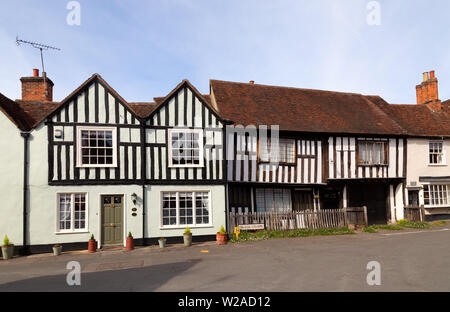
point(145, 48)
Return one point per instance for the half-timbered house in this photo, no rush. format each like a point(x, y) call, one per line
point(332, 150)
point(95, 164)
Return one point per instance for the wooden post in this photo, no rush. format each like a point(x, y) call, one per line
point(366, 222)
point(345, 216)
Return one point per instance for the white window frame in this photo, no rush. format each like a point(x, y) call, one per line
point(114, 143)
point(183, 226)
point(72, 214)
point(446, 191)
point(200, 144)
point(443, 161)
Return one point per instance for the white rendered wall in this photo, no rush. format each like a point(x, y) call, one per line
point(11, 181)
point(418, 166)
point(217, 210)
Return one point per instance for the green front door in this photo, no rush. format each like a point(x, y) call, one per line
point(112, 220)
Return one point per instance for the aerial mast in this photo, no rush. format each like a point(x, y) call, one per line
point(41, 47)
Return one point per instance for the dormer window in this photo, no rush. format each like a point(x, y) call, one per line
point(436, 154)
point(96, 147)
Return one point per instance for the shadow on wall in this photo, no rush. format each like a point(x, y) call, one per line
point(137, 279)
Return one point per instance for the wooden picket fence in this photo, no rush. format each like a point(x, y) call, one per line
point(414, 213)
point(306, 219)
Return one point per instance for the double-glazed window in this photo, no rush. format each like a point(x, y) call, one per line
point(372, 153)
point(283, 152)
point(436, 155)
point(180, 209)
point(436, 195)
point(268, 199)
point(72, 212)
point(185, 148)
point(96, 147)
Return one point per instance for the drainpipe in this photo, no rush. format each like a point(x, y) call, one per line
point(25, 247)
point(144, 204)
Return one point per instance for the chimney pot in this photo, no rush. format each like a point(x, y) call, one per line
point(427, 91)
point(35, 72)
point(252, 82)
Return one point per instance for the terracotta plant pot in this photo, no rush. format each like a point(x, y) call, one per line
point(8, 252)
point(187, 239)
point(221, 239)
point(92, 247)
point(57, 250)
point(130, 243)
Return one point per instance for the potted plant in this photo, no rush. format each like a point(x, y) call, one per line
point(92, 247)
point(222, 236)
point(130, 242)
point(162, 242)
point(7, 249)
point(187, 237)
point(57, 248)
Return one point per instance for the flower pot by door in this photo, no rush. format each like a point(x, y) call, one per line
point(221, 239)
point(92, 247)
point(57, 250)
point(162, 243)
point(8, 252)
point(187, 239)
point(130, 243)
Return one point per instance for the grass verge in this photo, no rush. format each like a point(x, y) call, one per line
point(439, 223)
point(414, 224)
point(245, 236)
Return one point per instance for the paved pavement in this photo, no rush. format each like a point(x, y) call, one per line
point(411, 260)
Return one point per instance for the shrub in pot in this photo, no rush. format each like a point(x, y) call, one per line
point(92, 247)
point(187, 237)
point(222, 236)
point(7, 249)
point(57, 249)
point(162, 242)
point(130, 242)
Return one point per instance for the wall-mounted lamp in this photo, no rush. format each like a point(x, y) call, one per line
point(134, 198)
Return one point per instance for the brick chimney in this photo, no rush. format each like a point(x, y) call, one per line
point(427, 91)
point(37, 88)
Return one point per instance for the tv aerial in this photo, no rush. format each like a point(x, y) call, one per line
point(41, 47)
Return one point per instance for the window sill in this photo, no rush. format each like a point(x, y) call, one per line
point(363, 165)
point(96, 166)
point(73, 232)
point(184, 227)
point(183, 166)
point(437, 207)
point(437, 165)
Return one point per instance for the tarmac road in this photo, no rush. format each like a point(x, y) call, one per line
point(410, 260)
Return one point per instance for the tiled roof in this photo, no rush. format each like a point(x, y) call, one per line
point(419, 120)
point(304, 110)
point(37, 110)
point(142, 109)
point(15, 113)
